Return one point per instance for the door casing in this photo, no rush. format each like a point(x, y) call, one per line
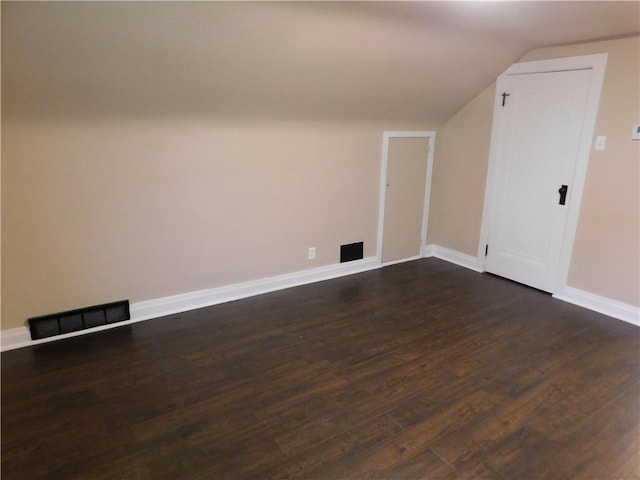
point(595, 63)
point(387, 135)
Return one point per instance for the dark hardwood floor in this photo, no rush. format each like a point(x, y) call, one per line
point(414, 371)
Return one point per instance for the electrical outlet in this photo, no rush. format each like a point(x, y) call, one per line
point(601, 141)
point(312, 253)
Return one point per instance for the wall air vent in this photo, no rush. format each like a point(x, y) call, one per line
point(351, 251)
point(80, 319)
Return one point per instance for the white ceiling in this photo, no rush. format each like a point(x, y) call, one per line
point(288, 60)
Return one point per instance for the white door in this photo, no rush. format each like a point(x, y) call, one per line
point(404, 207)
point(539, 133)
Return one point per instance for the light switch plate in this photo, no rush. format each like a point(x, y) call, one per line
point(601, 141)
point(635, 133)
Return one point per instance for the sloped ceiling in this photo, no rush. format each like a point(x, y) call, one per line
point(289, 60)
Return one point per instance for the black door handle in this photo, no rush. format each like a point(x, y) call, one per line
point(563, 194)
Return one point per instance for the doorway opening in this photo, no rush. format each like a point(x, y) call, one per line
point(522, 176)
point(405, 189)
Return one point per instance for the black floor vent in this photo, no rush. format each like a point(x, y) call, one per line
point(351, 251)
point(80, 319)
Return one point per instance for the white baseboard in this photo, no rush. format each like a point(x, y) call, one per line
point(591, 301)
point(607, 306)
point(213, 296)
point(427, 251)
point(160, 307)
point(15, 338)
point(452, 256)
point(402, 260)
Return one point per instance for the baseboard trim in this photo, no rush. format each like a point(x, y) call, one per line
point(160, 307)
point(607, 306)
point(452, 256)
point(15, 338)
point(205, 298)
point(402, 260)
point(427, 251)
point(141, 311)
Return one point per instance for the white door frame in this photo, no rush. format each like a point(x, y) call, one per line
point(596, 63)
point(431, 135)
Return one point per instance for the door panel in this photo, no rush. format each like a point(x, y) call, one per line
point(540, 129)
point(404, 202)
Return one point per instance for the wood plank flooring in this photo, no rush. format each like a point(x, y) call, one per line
point(422, 370)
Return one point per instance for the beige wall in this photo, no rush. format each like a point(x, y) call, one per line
point(99, 211)
point(459, 176)
point(152, 150)
point(606, 251)
point(142, 206)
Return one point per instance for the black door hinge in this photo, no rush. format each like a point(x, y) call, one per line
point(504, 97)
point(486, 250)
